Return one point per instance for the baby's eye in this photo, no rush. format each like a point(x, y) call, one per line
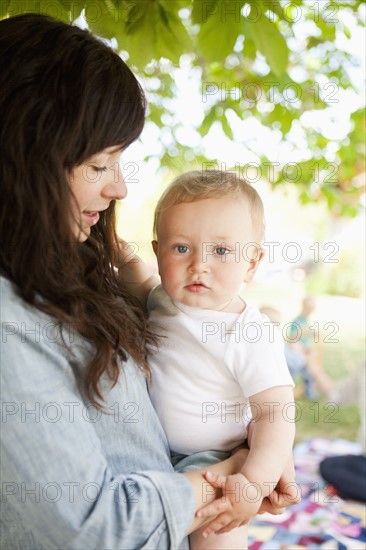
point(221, 250)
point(181, 248)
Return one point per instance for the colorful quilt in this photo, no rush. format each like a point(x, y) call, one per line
point(322, 520)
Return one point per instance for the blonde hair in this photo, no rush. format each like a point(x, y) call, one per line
point(206, 184)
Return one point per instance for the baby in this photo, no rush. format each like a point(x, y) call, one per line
point(220, 363)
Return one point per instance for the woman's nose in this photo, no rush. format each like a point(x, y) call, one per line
point(116, 187)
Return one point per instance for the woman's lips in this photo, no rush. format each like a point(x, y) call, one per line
point(91, 217)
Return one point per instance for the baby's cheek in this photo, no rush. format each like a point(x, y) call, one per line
point(168, 276)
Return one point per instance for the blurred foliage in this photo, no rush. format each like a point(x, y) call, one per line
point(343, 278)
point(271, 60)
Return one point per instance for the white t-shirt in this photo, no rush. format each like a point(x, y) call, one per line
point(208, 364)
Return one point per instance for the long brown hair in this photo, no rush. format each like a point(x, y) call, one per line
point(65, 95)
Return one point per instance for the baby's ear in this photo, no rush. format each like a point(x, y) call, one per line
point(155, 247)
point(253, 265)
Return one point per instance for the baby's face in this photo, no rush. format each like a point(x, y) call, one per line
point(205, 250)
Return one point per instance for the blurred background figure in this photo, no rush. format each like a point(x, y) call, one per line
point(302, 354)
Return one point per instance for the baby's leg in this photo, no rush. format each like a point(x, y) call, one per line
point(233, 540)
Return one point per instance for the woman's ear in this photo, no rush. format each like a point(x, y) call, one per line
point(253, 265)
point(155, 247)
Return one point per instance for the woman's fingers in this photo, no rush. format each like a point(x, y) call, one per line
point(214, 508)
point(219, 523)
point(229, 527)
point(126, 251)
point(219, 505)
point(215, 479)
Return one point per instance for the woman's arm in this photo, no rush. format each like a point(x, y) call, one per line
point(72, 477)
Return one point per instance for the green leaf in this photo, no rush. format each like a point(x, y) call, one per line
point(250, 51)
point(141, 50)
point(135, 16)
point(154, 30)
point(172, 36)
point(150, 29)
point(203, 9)
point(74, 9)
point(328, 30)
point(286, 122)
point(271, 43)
point(226, 127)
point(54, 8)
point(273, 6)
point(103, 18)
point(218, 34)
point(305, 198)
point(155, 114)
point(207, 122)
point(346, 31)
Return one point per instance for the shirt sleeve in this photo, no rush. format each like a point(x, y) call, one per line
point(258, 362)
point(58, 489)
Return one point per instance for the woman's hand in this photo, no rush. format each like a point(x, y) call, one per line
point(207, 491)
point(235, 506)
point(133, 273)
point(126, 253)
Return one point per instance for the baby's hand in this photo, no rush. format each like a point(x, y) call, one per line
point(240, 502)
point(126, 253)
point(286, 493)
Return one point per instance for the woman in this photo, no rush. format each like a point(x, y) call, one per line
point(85, 462)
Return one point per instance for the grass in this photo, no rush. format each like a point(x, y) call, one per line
point(324, 419)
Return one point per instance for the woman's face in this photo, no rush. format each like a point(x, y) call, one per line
point(95, 183)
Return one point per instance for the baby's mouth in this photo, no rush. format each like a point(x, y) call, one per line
point(196, 286)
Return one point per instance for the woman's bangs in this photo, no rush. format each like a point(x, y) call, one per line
point(121, 116)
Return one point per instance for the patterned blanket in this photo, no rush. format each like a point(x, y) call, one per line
point(322, 520)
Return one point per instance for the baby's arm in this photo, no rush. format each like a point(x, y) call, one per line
point(286, 494)
point(133, 272)
point(270, 449)
point(272, 437)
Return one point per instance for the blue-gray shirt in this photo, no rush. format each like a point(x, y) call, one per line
point(72, 477)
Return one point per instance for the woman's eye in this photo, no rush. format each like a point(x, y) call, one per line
point(181, 248)
point(221, 251)
point(98, 168)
